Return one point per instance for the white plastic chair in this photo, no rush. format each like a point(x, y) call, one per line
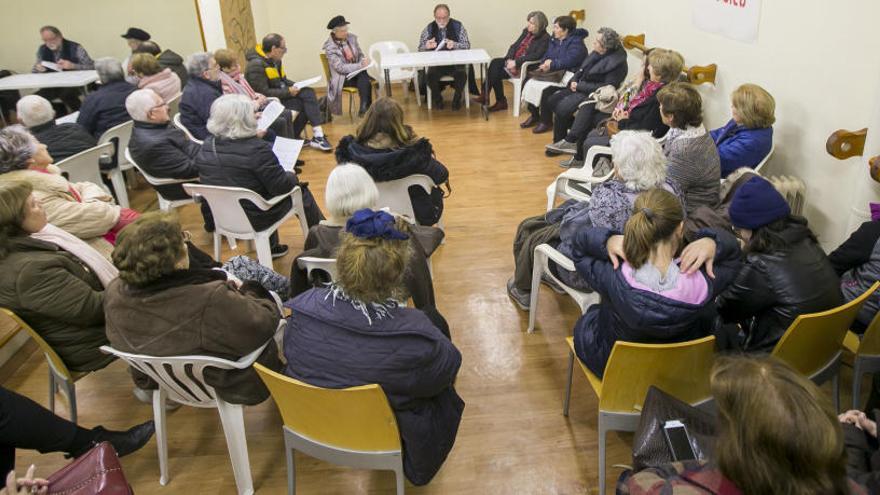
point(518, 83)
point(380, 49)
point(231, 221)
point(85, 165)
point(541, 267)
point(766, 159)
point(394, 194)
point(181, 379)
point(122, 134)
point(575, 183)
point(312, 263)
point(177, 123)
point(164, 204)
point(467, 90)
point(174, 105)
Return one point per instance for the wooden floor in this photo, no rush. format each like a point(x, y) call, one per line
point(513, 437)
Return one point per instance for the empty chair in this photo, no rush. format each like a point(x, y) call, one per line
point(85, 165)
point(164, 204)
point(382, 48)
point(467, 90)
point(119, 135)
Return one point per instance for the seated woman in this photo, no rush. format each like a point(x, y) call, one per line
point(654, 297)
point(344, 56)
point(692, 158)
point(84, 209)
point(388, 149)
point(52, 280)
point(356, 332)
point(857, 263)
point(151, 75)
point(233, 155)
point(639, 165)
point(747, 139)
point(529, 47)
point(349, 189)
point(221, 317)
point(637, 108)
point(862, 452)
point(565, 53)
point(765, 409)
point(785, 272)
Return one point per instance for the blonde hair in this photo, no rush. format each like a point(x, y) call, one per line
point(666, 63)
point(149, 248)
point(13, 197)
point(226, 58)
point(656, 215)
point(764, 410)
point(755, 106)
point(372, 270)
point(146, 64)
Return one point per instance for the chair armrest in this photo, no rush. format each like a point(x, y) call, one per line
point(249, 359)
point(524, 69)
point(560, 259)
point(594, 152)
point(265, 204)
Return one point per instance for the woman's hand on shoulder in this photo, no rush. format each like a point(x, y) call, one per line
point(698, 253)
point(614, 246)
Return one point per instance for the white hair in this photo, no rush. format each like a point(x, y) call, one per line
point(17, 147)
point(198, 63)
point(232, 116)
point(109, 70)
point(349, 189)
point(639, 159)
point(139, 103)
point(34, 110)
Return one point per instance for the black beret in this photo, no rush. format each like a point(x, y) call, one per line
point(336, 22)
point(136, 34)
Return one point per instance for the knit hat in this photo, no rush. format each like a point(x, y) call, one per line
point(756, 204)
point(134, 33)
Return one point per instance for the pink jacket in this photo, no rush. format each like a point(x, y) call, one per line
point(166, 84)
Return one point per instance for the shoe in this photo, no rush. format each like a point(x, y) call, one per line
point(529, 122)
point(571, 163)
point(541, 128)
point(563, 146)
point(124, 442)
point(279, 250)
point(146, 396)
point(297, 170)
point(456, 102)
point(299, 163)
point(479, 100)
point(520, 298)
point(438, 104)
point(549, 282)
point(320, 143)
point(498, 106)
point(549, 152)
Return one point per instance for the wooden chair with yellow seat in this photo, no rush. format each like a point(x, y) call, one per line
point(350, 91)
point(866, 356)
point(813, 342)
point(680, 369)
point(59, 375)
point(352, 427)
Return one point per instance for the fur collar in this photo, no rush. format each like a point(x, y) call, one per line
point(384, 164)
point(41, 181)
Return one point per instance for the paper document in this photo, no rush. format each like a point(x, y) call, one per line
point(287, 151)
point(440, 45)
point(307, 82)
point(355, 73)
point(68, 119)
point(269, 115)
point(51, 66)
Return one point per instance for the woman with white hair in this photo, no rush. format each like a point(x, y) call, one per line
point(62, 140)
point(639, 165)
point(234, 156)
point(349, 189)
point(344, 56)
point(105, 108)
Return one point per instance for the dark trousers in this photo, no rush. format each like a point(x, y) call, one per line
point(68, 96)
point(564, 104)
point(537, 112)
point(585, 120)
point(531, 233)
point(495, 79)
point(457, 72)
point(364, 84)
point(306, 103)
point(593, 139)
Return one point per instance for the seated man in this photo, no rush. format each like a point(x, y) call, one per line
point(168, 59)
point(203, 88)
point(445, 33)
point(68, 55)
point(266, 75)
point(61, 140)
point(105, 108)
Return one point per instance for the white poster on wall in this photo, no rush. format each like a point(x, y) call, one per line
point(735, 19)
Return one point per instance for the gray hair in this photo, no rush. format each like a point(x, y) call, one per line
point(349, 189)
point(109, 70)
point(139, 103)
point(34, 110)
point(17, 146)
point(540, 19)
point(609, 39)
point(198, 63)
point(232, 116)
point(638, 159)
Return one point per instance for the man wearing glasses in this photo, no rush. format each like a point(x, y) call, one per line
point(59, 54)
point(445, 33)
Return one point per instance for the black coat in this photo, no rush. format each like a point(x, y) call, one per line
point(164, 152)
point(396, 163)
point(171, 60)
point(601, 70)
point(646, 117)
point(265, 76)
point(195, 105)
point(63, 140)
point(534, 52)
point(773, 289)
point(105, 108)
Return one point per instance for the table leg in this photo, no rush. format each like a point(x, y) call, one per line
point(388, 82)
point(485, 106)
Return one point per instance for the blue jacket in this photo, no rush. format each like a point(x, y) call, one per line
point(195, 105)
point(105, 107)
point(740, 146)
point(567, 54)
point(329, 343)
point(634, 315)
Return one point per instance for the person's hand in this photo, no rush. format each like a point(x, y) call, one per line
point(698, 253)
point(614, 246)
point(293, 90)
point(431, 44)
point(365, 62)
point(65, 64)
point(623, 115)
point(860, 421)
point(511, 64)
point(40, 67)
point(261, 133)
point(450, 44)
point(612, 127)
point(615, 114)
point(261, 101)
point(546, 65)
point(573, 86)
point(25, 486)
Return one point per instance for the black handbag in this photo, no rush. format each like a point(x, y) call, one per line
point(650, 448)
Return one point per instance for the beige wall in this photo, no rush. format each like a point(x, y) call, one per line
point(817, 59)
point(96, 24)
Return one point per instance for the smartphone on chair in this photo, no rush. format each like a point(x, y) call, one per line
point(678, 440)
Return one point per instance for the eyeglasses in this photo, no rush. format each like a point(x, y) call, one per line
point(187, 237)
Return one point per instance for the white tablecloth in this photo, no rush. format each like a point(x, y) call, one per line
point(66, 79)
point(434, 59)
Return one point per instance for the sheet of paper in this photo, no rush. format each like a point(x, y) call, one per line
point(287, 151)
point(440, 45)
point(308, 82)
point(269, 115)
point(51, 66)
point(67, 119)
point(355, 73)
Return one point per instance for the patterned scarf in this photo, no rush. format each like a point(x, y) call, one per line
point(647, 91)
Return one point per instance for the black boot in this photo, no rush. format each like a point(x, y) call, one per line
point(124, 442)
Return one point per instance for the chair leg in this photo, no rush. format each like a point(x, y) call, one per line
point(567, 401)
point(216, 246)
point(515, 104)
point(159, 397)
point(467, 95)
point(857, 385)
point(118, 181)
point(415, 81)
point(52, 389)
point(264, 252)
point(164, 204)
point(398, 476)
point(351, 107)
point(537, 271)
point(291, 466)
point(71, 399)
point(232, 417)
point(602, 432)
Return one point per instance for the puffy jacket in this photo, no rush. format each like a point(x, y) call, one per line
point(329, 343)
point(164, 152)
point(266, 76)
point(630, 314)
point(645, 117)
point(195, 105)
point(105, 107)
point(740, 146)
point(534, 52)
point(63, 140)
point(773, 289)
point(386, 163)
point(568, 53)
point(599, 70)
point(857, 261)
point(166, 84)
point(59, 297)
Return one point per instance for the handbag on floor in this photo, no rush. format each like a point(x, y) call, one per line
point(97, 472)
